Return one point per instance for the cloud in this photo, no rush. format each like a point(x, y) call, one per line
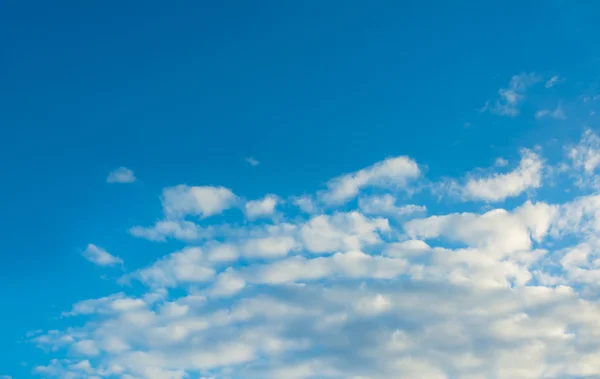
point(497, 187)
point(391, 173)
point(100, 257)
point(557, 113)
point(553, 81)
point(510, 98)
point(305, 203)
point(252, 162)
point(178, 229)
point(121, 175)
point(385, 205)
point(203, 201)
point(584, 159)
point(341, 291)
point(264, 207)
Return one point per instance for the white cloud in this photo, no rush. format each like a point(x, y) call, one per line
point(510, 98)
point(203, 201)
point(386, 205)
point(121, 175)
point(252, 162)
point(558, 113)
point(584, 159)
point(178, 229)
point(264, 207)
point(528, 175)
point(100, 257)
point(341, 231)
point(467, 293)
point(390, 173)
point(306, 204)
point(553, 81)
point(186, 266)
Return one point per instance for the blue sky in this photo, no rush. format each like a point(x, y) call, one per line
point(298, 154)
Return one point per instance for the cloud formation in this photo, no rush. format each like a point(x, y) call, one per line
point(393, 173)
point(377, 288)
point(202, 201)
point(510, 98)
point(100, 257)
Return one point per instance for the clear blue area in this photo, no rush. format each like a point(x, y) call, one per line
point(183, 92)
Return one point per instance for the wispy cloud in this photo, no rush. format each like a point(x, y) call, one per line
point(121, 175)
point(100, 257)
point(557, 113)
point(510, 98)
point(553, 81)
point(253, 162)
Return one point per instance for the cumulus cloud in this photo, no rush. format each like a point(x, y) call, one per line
point(497, 187)
point(262, 208)
point(100, 257)
point(510, 99)
point(391, 173)
point(203, 201)
point(339, 292)
point(121, 175)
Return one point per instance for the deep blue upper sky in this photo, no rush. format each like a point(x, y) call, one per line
point(183, 92)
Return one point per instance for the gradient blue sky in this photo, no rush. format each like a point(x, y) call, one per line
point(184, 92)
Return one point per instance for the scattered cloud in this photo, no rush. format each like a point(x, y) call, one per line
point(553, 81)
point(584, 159)
point(390, 173)
point(100, 257)
point(557, 113)
point(202, 201)
point(121, 175)
point(178, 229)
point(385, 205)
point(264, 207)
point(252, 162)
point(376, 288)
point(510, 98)
point(497, 187)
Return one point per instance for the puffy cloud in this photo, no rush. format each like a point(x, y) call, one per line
point(510, 98)
point(497, 230)
point(100, 257)
point(391, 173)
point(186, 266)
point(341, 231)
point(262, 208)
point(335, 293)
point(305, 203)
point(528, 175)
point(203, 201)
point(121, 175)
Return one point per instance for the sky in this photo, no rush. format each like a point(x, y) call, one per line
point(299, 190)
